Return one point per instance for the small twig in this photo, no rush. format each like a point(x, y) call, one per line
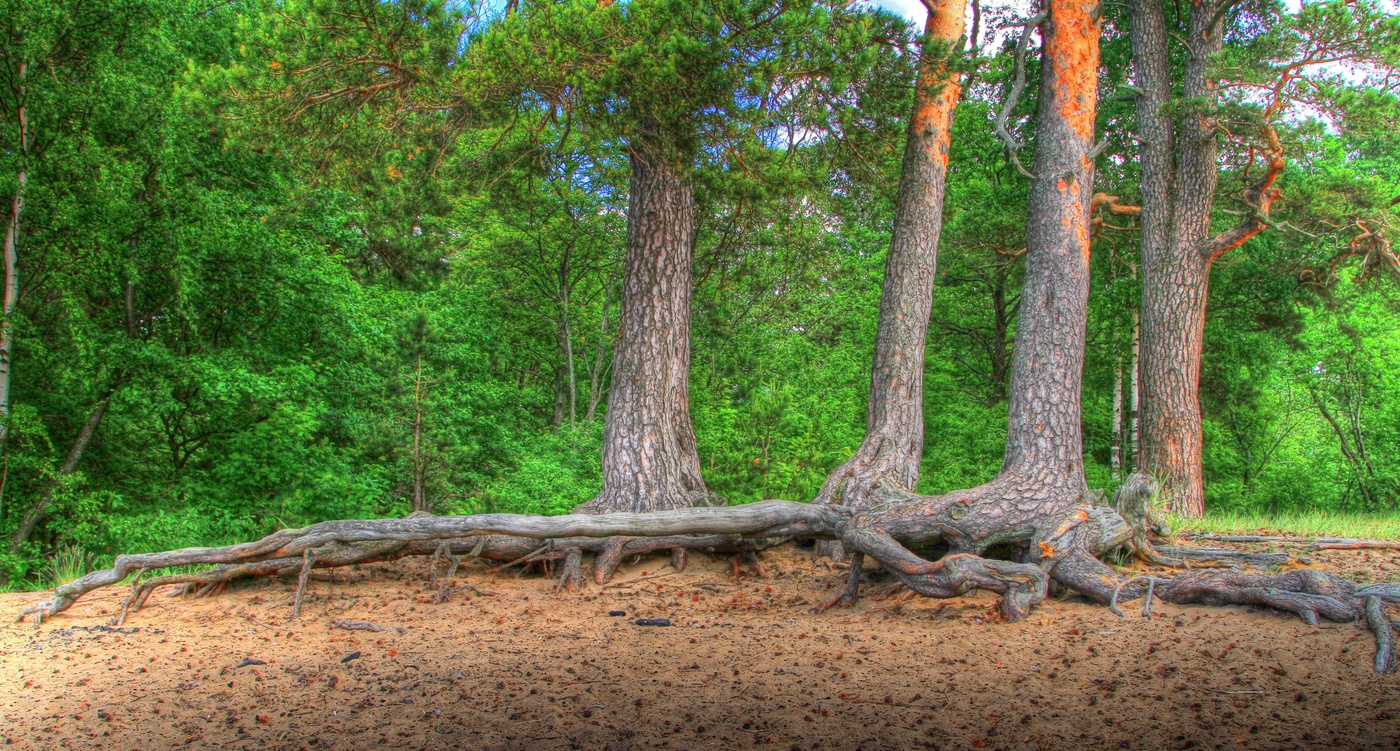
point(640, 580)
point(443, 594)
point(1219, 691)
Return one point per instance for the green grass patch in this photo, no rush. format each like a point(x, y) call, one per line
point(69, 562)
point(1379, 526)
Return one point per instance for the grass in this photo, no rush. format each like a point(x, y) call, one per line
point(1376, 526)
point(69, 562)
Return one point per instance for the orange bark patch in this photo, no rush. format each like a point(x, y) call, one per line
point(1073, 54)
point(938, 87)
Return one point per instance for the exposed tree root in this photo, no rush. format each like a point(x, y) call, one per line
point(1385, 634)
point(341, 543)
point(1133, 501)
point(1057, 537)
point(879, 461)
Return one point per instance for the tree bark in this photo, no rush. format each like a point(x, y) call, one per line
point(649, 457)
point(1044, 438)
point(40, 511)
point(894, 438)
point(1037, 500)
point(1116, 451)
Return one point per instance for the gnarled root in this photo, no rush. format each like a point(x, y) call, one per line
point(880, 460)
point(1385, 634)
point(1307, 593)
point(339, 543)
point(1133, 501)
point(1021, 585)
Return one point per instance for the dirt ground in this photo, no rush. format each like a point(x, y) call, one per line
point(743, 665)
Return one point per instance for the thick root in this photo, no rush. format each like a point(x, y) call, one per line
point(878, 462)
point(1385, 634)
point(571, 572)
point(1021, 585)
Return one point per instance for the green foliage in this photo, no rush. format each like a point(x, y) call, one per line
point(325, 269)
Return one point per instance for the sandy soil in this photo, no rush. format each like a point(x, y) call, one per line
point(743, 665)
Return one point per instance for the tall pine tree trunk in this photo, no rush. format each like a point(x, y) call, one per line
point(649, 457)
point(894, 438)
point(1179, 175)
point(1044, 443)
point(1180, 170)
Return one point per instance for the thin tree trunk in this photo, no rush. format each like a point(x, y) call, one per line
point(894, 438)
point(419, 501)
point(1003, 314)
point(40, 511)
point(649, 457)
point(1134, 391)
point(1358, 468)
point(596, 373)
point(573, 377)
point(1116, 452)
point(12, 257)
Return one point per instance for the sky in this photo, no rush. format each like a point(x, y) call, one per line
point(910, 9)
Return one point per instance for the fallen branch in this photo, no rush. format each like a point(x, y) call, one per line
point(336, 543)
point(1316, 543)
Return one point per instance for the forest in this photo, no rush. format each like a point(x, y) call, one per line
point(805, 374)
point(270, 264)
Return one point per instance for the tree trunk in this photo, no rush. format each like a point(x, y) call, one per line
point(649, 457)
point(1003, 315)
point(1037, 500)
point(1134, 395)
point(894, 437)
point(12, 257)
point(40, 511)
point(1044, 442)
point(1180, 170)
point(565, 380)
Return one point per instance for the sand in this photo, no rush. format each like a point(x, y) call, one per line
point(743, 665)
